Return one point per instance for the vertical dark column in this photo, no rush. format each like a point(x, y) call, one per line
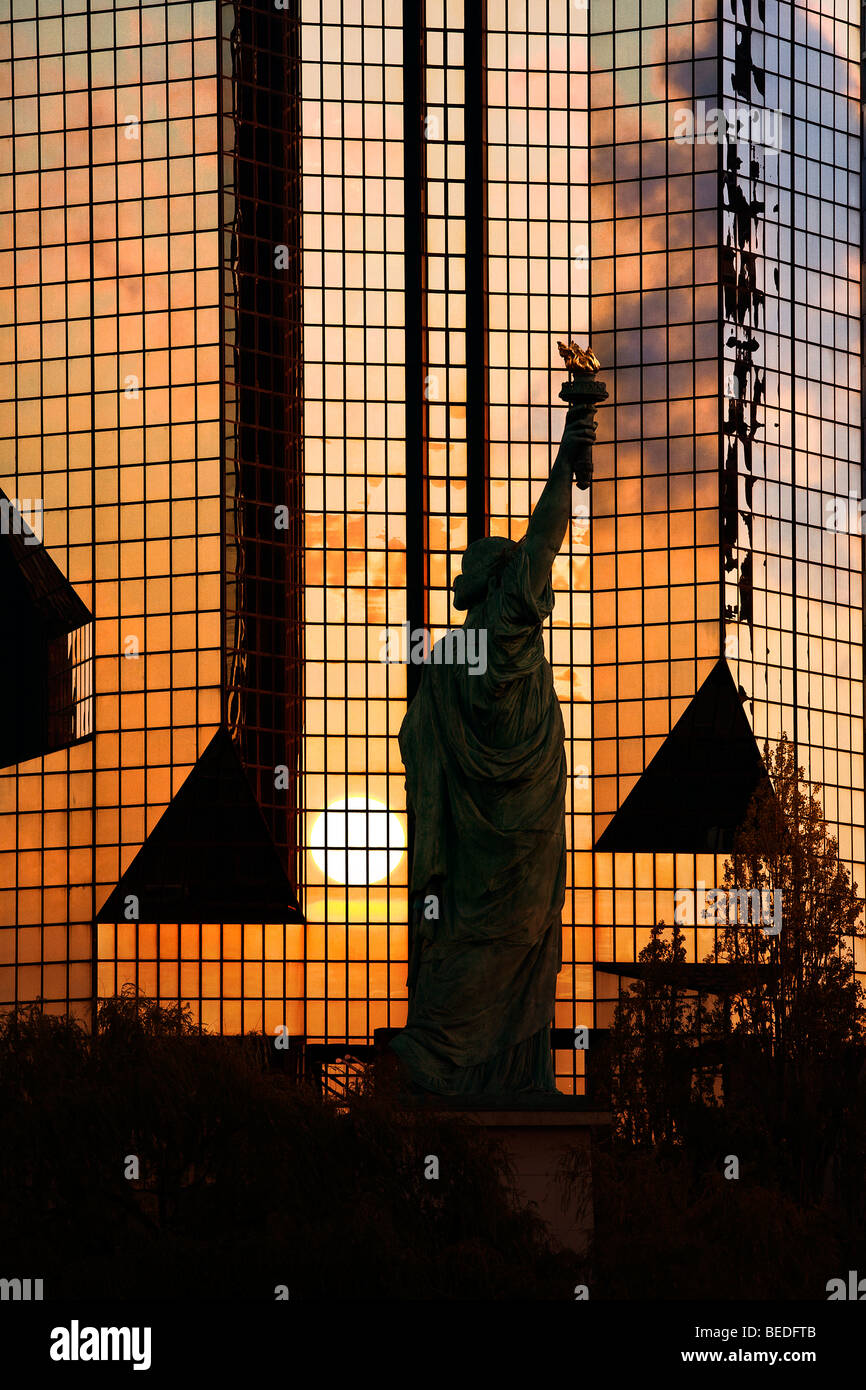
point(264, 477)
point(725, 271)
point(94, 930)
point(862, 309)
point(477, 406)
point(414, 242)
point(415, 282)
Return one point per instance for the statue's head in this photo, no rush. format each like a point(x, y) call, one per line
point(482, 561)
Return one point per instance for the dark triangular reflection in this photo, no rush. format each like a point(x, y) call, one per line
point(46, 644)
point(210, 858)
point(697, 789)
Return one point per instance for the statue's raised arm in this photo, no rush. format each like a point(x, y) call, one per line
point(549, 521)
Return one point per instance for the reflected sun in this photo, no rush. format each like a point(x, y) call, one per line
point(358, 841)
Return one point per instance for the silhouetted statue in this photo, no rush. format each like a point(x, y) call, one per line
point(485, 774)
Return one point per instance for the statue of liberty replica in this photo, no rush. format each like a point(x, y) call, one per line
point(485, 773)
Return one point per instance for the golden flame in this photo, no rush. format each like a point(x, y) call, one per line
point(578, 360)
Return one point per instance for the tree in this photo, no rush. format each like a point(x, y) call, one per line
point(786, 1035)
point(653, 1045)
point(800, 999)
point(792, 1031)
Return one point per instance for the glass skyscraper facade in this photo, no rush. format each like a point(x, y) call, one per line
point(726, 289)
point(137, 217)
point(282, 293)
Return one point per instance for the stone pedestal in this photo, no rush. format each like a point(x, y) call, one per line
point(537, 1140)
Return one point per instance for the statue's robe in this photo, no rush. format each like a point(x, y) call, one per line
point(485, 773)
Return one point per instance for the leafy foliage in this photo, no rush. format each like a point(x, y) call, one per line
point(248, 1181)
point(653, 1042)
point(770, 1069)
point(807, 1002)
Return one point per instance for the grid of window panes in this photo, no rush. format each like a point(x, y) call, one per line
point(534, 70)
point(45, 843)
point(789, 332)
point(445, 307)
point(262, 962)
point(802, 657)
point(655, 525)
point(235, 976)
point(111, 414)
point(158, 490)
point(538, 270)
point(355, 516)
point(75, 721)
point(111, 180)
point(263, 405)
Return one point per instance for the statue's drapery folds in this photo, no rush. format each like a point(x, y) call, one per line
point(485, 768)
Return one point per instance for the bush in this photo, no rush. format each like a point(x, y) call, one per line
point(247, 1180)
point(665, 1232)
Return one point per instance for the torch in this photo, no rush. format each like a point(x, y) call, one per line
point(583, 390)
